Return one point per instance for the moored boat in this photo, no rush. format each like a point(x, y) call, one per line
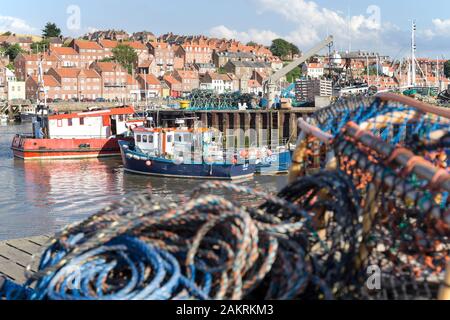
point(275, 162)
point(74, 136)
point(183, 153)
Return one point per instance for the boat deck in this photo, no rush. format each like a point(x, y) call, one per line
point(15, 255)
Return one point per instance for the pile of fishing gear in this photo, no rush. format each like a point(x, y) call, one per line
point(209, 100)
point(365, 216)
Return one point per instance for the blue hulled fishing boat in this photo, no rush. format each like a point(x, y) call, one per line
point(183, 153)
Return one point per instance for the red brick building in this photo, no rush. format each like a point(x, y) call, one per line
point(165, 57)
point(149, 86)
point(77, 83)
point(28, 64)
point(114, 79)
point(196, 53)
point(174, 85)
point(52, 87)
point(88, 51)
point(189, 80)
point(68, 57)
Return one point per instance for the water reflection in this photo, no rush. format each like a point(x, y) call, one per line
point(42, 197)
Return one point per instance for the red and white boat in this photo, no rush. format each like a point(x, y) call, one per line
point(92, 134)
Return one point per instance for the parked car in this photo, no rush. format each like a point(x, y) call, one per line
point(100, 100)
point(57, 100)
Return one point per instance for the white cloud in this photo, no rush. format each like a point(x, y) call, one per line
point(14, 24)
point(440, 28)
point(312, 23)
point(260, 36)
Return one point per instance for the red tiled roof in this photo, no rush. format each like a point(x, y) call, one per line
point(83, 44)
point(35, 57)
point(110, 44)
point(75, 72)
point(159, 45)
point(49, 81)
point(151, 79)
point(131, 80)
point(136, 45)
point(170, 79)
point(188, 74)
point(64, 51)
point(109, 66)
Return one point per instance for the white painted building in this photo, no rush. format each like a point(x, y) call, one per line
point(314, 70)
point(219, 83)
point(16, 90)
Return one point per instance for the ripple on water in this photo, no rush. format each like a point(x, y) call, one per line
point(42, 197)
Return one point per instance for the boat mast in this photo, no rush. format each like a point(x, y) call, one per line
point(413, 53)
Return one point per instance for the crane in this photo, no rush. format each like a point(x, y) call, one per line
point(270, 84)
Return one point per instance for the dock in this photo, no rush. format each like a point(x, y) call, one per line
point(15, 255)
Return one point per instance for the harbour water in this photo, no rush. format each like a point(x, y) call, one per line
point(42, 197)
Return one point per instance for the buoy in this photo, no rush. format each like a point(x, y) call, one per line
point(148, 163)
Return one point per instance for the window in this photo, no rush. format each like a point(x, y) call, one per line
point(121, 119)
point(69, 121)
point(138, 138)
point(150, 139)
point(59, 123)
point(169, 139)
point(144, 139)
point(81, 121)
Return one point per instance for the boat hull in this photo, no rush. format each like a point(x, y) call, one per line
point(47, 149)
point(278, 163)
point(137, 163)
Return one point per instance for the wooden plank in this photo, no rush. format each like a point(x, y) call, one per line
point(25, 246)
point(42, 240)
point(12, 270)
point(15, 255)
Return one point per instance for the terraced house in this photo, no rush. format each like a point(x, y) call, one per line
point(28, 64)
point(114, 79)
point(88, 51)
point(77, 83)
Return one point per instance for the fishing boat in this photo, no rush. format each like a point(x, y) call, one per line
point(273, 162)
point(183, 153)
point(90, 134)
point(74, 136)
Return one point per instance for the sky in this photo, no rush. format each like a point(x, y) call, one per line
point(383, 26)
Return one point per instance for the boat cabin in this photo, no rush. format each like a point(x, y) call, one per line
point(178, 143)
point(87, 125)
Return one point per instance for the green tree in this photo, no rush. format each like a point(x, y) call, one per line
point(107, 59)
point(283, 49)
point(252, 44)
point(294, 49)
point(280, 48)
point(12, 51)
point(41, 46)
point(7, 33)
point(295, 74)
point(126, 56)
point(51, 30)
point(10, 66)
point(447, 69)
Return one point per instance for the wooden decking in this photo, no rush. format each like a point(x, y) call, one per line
point(15, 255)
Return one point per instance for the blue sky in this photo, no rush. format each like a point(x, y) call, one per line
point(384, 28)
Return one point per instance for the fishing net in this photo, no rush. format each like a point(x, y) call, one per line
point(210, 100)
point(365, 216)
